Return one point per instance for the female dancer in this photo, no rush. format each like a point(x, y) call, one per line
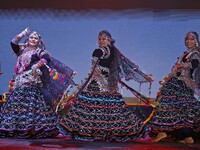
point(27, 112)
point(98, 111)
point(178, 111)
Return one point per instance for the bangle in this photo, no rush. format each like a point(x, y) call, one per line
point(24, 33)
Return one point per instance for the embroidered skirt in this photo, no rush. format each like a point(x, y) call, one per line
point(26, 115)
point(178, 108)
point(101, 116)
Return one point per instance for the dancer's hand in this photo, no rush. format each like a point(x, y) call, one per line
point(26, 32)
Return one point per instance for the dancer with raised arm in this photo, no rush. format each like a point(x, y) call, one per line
point(39, 81)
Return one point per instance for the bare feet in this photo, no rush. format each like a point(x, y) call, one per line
point(160, 136)
point(188, 140)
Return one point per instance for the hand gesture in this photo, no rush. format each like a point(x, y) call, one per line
point(26, 32)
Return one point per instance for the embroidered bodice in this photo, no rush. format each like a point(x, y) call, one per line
point(187, 69)
point(24, 60)
point(99, 81)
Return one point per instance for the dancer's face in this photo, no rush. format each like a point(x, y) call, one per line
point(190, 41)
point(33, 40)
point(103, 40)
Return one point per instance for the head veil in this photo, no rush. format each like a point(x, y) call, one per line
point(122, 67)
point(195, 54)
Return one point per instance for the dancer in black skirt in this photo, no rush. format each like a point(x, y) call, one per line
point(38, 81)
point(98, 111)
point(178, 112)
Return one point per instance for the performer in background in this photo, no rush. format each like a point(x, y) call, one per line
point(97, 111)
point(178, 112)
point(38, 81)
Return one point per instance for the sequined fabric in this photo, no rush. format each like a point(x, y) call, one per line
point(122, 67)
point(178, 108)
point(26, 115)
point(99, 112)
point(101, 116)
point(53, 89)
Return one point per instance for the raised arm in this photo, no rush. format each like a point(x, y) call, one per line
point(15, 41)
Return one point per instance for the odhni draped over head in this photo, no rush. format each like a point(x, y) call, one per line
point(122, 67)
point(41, 43)
point(195, 35)
point(110, 39)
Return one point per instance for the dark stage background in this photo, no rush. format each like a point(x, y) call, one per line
point(100, 4)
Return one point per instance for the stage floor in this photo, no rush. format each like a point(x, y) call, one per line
point(60, 142)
